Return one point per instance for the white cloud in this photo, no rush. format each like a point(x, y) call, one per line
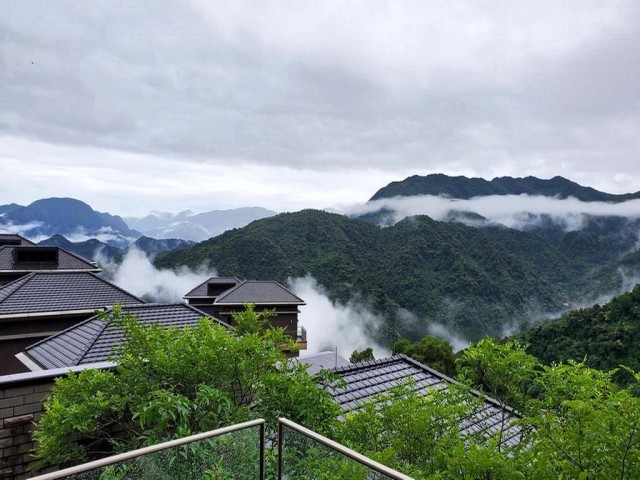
point(510, 210)
point(137, 275)
point(332, 325)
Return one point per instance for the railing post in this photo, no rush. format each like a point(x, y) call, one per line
point(280, 445)
point(262, 439)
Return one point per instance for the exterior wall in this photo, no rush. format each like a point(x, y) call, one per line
point(16, 335)
point(21, 398)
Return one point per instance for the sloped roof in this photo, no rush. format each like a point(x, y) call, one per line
point(43, 292)
point(258, 292)
point(366, 379)
point(202, 290)
point(14, 237)
point(94, 340)
point(67, 260)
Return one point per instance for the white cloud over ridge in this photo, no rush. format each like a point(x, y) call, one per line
point(514, 211)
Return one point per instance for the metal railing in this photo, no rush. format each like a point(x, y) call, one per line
point(117, 460)
point(306, 456)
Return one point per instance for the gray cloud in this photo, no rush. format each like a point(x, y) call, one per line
point(482, 88)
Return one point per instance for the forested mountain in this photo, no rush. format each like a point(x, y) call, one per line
point(606, 335)
point(466, 188)
point(92, 249)
point(440, 272)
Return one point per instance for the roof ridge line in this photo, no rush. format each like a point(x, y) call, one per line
point(114, 285)
point(25, 279)
point(227, 292)
point(79, 357)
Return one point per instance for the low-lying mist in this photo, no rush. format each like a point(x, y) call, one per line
point(332, 325)
point(329, 324)
point(139, 276)
point(515, 211)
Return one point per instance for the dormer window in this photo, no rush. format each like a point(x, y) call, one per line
point(9, 241)
point(215, 288)
point(36, 256)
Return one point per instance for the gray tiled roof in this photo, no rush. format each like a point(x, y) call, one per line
point(66, 260)
point(94, 340)
point(367, 379)
point(15, 237)
point(40, 292)
point(202, 290)
point(258, 292)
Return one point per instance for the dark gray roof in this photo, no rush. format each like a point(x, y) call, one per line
point(202, 290)
point(367, 379)
point(94, 340)
point(66, 260)
point(41, 292)
point(258, 292)
point(12, 237)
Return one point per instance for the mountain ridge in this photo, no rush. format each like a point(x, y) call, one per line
point(461, 187)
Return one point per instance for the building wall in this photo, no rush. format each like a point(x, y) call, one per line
point(17, 334)
point(21, 400)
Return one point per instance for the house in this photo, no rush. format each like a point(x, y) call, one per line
point(221, 297)
point(40, 304)
point(19, 256)
point(96, 340)
point(365, 380)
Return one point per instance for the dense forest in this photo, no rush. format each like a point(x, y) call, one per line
point(475, 281)
point(605, 337)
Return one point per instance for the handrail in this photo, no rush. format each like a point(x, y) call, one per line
point(366, 461)
point(103, 462)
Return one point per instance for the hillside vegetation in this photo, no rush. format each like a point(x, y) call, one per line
point(607, 336)
point(443, 272)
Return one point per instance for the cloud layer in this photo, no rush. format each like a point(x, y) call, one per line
point(261, 93)
point(511, 210)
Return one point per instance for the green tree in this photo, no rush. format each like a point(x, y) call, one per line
point(172, 382)
point(363, 355)
point(432, 351)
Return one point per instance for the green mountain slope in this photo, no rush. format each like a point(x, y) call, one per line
point(465, 188)
point(443, 272)
point(607, 336)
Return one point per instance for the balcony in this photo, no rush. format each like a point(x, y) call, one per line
point(236, 452)
point(301, 337)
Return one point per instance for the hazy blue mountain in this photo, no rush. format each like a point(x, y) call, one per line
point(154, 247)
point(188, 225)
point(465, 188)
point(71, 218)
point(92, 249)
point(8, 208)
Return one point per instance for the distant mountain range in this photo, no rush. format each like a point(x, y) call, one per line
point(79, 223)
point(196, 226)
point(103, 252)
point(466, 188)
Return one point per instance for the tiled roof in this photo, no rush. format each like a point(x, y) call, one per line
point(202, 290)
point(258, 292)
point(66, 260)
point(12, 237)
point(94, 340)
point(367, 379)
point(40, 292)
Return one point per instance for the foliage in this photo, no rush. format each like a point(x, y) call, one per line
point(364, 355)
point(449, 273)
point(603, 336)
point(173, 382)
point(432, 351)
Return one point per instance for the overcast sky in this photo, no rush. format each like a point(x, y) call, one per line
point(134, 106)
